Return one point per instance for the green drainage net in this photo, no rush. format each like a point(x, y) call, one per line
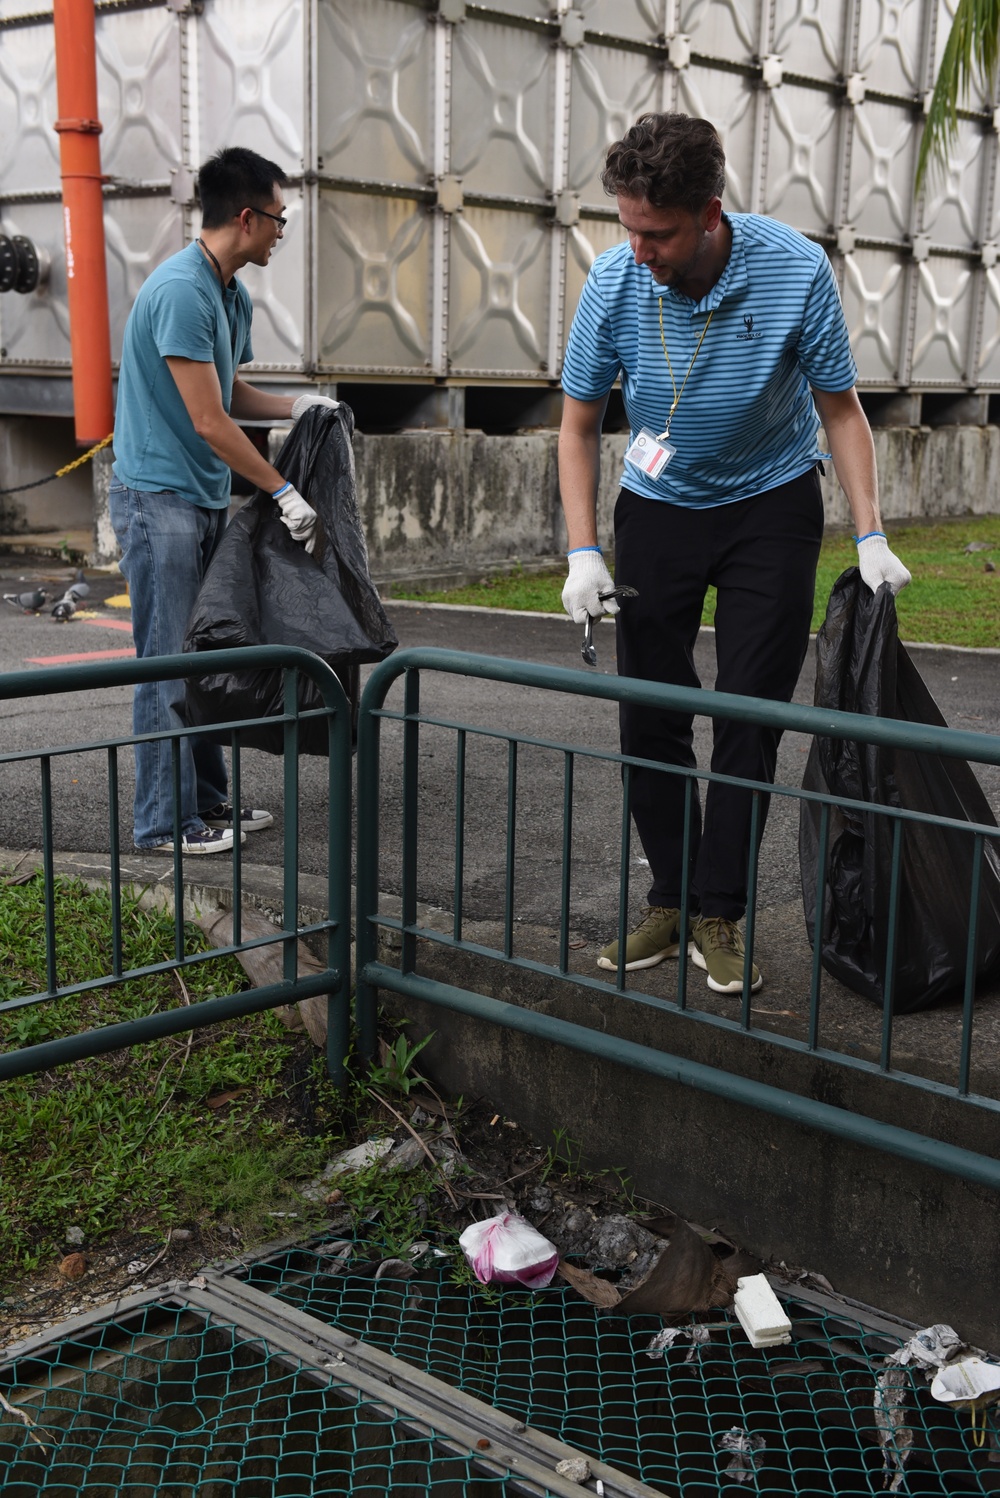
point(553, 1361)
point(193, 1410)
point(322, 1370)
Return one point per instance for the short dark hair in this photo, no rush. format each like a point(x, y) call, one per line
point(233, 179)
point(670, 160)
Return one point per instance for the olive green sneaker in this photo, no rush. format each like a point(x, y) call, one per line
point(717, 946)
point(655, 937)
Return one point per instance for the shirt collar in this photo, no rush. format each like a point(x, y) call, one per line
point(732, 281)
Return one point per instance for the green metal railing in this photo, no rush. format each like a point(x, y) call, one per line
point(405, 979)
point(332, 981)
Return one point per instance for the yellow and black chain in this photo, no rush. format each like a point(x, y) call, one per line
point(66, 468)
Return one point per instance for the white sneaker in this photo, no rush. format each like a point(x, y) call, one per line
point(205, 840)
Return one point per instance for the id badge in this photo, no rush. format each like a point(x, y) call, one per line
point(649, 453)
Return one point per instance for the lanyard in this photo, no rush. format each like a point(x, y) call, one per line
point(678, 393)
point(225, 299)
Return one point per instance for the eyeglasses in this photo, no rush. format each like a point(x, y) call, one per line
point(281, 222)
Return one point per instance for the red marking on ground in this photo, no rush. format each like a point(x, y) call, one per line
point(110, 624)
point(82, 655)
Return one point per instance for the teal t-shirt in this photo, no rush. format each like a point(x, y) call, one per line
point(180, 310)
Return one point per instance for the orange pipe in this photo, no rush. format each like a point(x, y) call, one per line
point(83, 218)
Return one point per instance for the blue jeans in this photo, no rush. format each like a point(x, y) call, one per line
point(167, 544)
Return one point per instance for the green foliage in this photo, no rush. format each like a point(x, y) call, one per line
point(565, 1157)
point(952, 600)
point(969, 60)
point(396, 1073)
point(200, 1125)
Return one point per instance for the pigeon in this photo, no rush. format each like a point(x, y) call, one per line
point(30, 602)
point(66, 606)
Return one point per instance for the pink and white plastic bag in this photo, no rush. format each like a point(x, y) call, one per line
point(507, 1250)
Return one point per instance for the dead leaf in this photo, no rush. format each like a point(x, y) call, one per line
point(599, 1292)
point(222, 1098)
point(784, 1013)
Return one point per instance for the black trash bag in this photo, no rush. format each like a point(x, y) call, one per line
point(861, 667)
point(263, 588)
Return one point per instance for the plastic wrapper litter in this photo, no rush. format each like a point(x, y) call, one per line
point(507, 1250)
point(263, 588)
point(861, 667)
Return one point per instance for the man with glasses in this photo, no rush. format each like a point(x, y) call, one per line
point(180, 399)
point(727, 333)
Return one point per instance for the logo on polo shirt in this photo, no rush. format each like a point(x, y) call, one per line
point(749, 334)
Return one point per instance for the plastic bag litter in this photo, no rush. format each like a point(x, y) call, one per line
point(746, 1451)
point(862, 667)
point(507, 1250)
point(928, 1350)
point(698, 1336)
point(263, 588)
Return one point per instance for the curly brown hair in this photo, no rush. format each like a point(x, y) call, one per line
point(670, 160)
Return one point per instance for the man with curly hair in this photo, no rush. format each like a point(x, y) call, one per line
point(727, 334)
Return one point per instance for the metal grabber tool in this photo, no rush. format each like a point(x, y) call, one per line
point(587, 648)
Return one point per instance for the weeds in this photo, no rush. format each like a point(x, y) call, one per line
point(197, 1126)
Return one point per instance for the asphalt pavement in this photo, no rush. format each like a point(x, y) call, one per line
point(963, 683)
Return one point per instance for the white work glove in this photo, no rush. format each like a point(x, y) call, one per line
point(297, 515)
point(303, 402)
point(588, 576)
point(878, 565)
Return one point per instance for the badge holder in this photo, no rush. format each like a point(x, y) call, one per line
point(650, 453)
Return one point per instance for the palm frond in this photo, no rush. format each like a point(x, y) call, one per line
point(969, 60)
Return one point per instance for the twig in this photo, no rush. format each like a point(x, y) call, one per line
point(22, 1415)
point(161, 1254)
point(184, 1060)
point(523, 1172)
point(410, 1130)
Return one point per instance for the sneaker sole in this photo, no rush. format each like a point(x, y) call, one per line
point(640, 962)
point(735, 987)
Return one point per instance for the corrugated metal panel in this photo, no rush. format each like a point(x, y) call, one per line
point(374, 277)
point(29, 147)
point(873, 290)
point(880, 198)
point(506, 111)
point(722, 28)
point(251, 68)
point(802, 143)
point(498, 301)
point(942, 323)
point(138, 83)
point(809, 37)
point(989, 353)
point(373, 91)
point(501, 109)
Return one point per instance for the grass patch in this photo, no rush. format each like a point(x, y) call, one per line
point(953, 599)
point(214, 1124)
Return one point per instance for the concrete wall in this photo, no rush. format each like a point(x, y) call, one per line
point(30, 448)
point(437, 502)
point(887, 1231)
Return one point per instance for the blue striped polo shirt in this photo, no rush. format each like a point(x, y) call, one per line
point(746, 421)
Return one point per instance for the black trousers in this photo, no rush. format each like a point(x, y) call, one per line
point(761, 555)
